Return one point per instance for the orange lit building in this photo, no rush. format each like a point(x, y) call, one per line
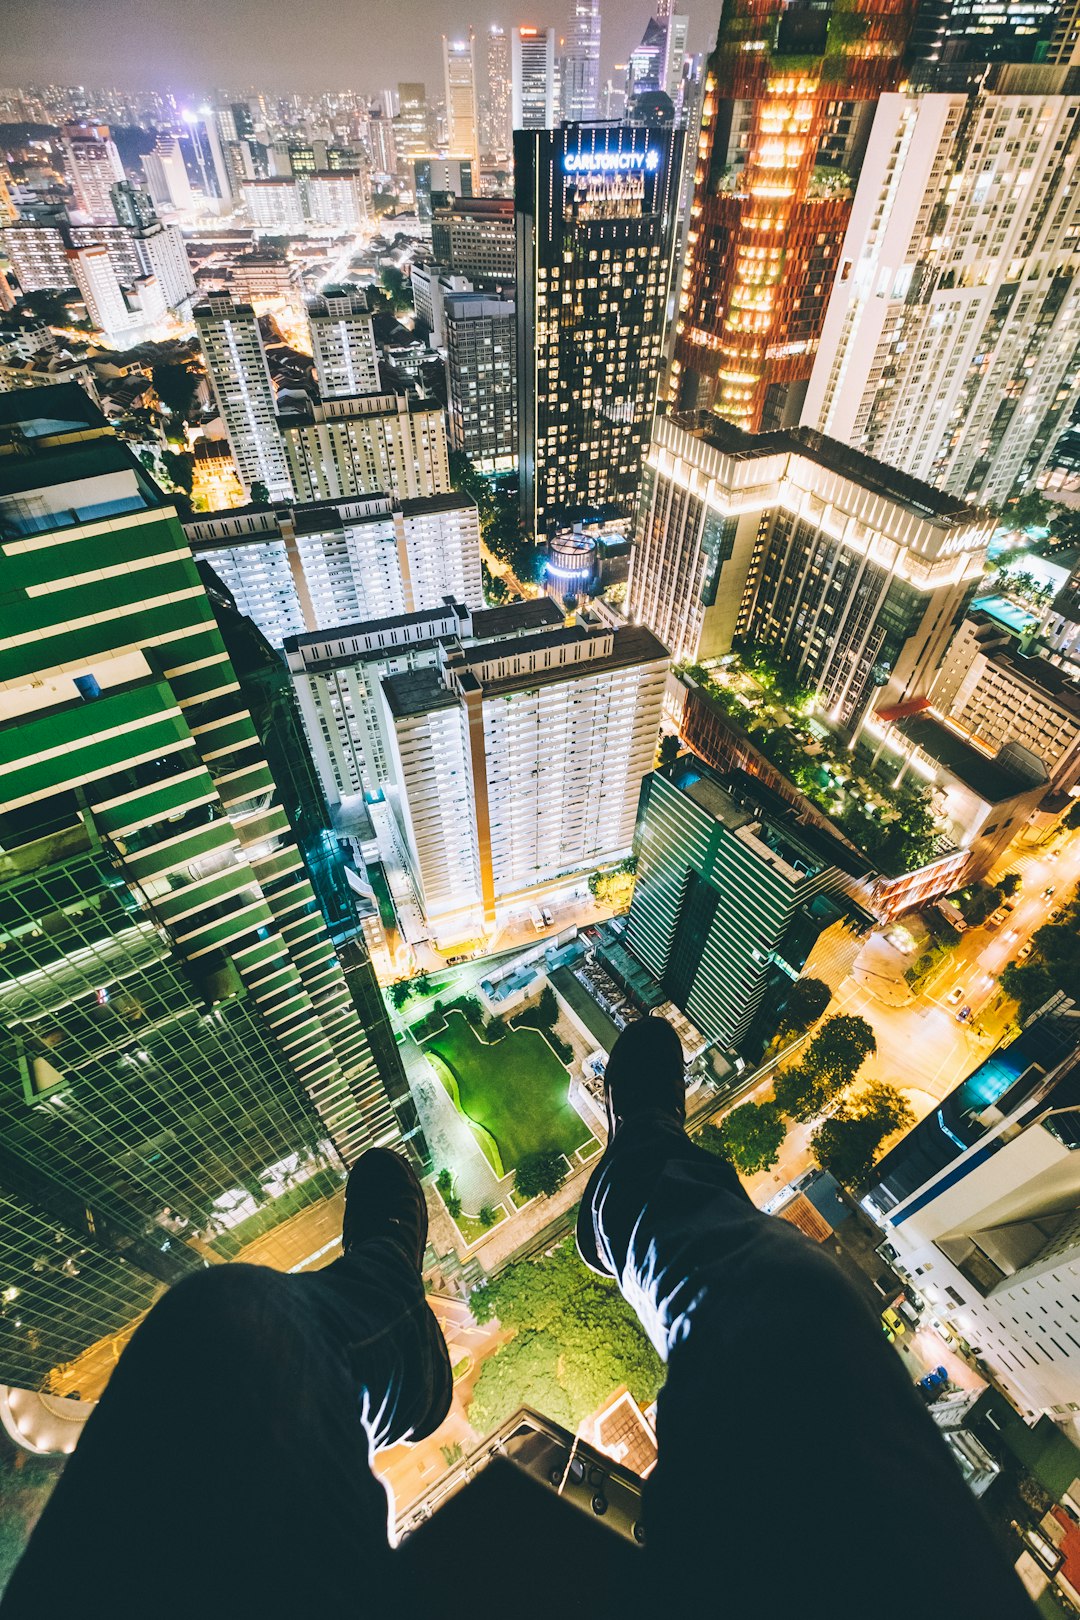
point(789, 97)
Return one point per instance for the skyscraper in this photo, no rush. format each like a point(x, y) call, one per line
point(481, 378)
point(949, 347)
point(595, 207)
point(778, 157)
point(517, 765)
point(495, 141)
point(339, 448)
point(240, 377)
point(346, 361)
point(412, 134)
point(116, 308)
point(533, 77)
point(210, 159)
point(580, 63)
point(167, 176)
point(179, 1039)
point(459, 69)
point(93, 168)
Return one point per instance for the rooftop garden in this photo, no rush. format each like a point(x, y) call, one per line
point(893, 827)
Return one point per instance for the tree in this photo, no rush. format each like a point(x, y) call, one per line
point(1010, 883)
point(750, 1137)
point(393, 280)
point(670, 747)
point(807, 1000)
point(800, 1094)
point(175, 386)
point(487, 1215)
point(540, 1174)
point(840, 1048)
point(180, 468)
point(470, 1007)
point(1072, 817)
point(547, 1008)
point(453, 1205)
point(847, 1144)
point(575, 1341)
point(444, 1181)
point(400, 992)
point(1030, 512)
point(258, 494)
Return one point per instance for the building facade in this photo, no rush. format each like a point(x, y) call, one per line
point(595, 207)
point(495, 143)
point(533, 77)
point(93, 168)
point(474, 237)
point(950, 344)
point(579, 65)
point(459, 73)
point(343, 344)
point(179, 1038)
point(517, 765)
point(369, 445)
point(310, 568)
point(481, 379)
point(240, 378)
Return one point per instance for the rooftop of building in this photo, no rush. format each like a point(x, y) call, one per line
point(38, 414)
point(1054, 683)
point(392, 403)
point(992, 779)
point(916, 496)
point(417, 691)
point(487, 624)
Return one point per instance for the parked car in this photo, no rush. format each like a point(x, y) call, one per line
point(996, 918)
point(964, 1014)
point(1055, 913)
point(1024, 952)
point(955, 994)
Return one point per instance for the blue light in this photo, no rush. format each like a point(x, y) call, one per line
point(611, 162)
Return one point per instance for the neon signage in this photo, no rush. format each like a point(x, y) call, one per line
point(611, 162)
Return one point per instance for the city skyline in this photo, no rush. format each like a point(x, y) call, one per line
point(138, 47)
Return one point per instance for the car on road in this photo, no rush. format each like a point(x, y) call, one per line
point(536, 920)
point(964, 1014)
point(1024, 952)
point(1049, 892)
point(1054, 855)
point(996, 918)
point(955, 994)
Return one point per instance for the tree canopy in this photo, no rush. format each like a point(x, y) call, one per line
point(829, 1065)
point(669, 750)
point(540, 1174)
point(847, 1144)
point(575, 1341)
point(1054, 964)
point(749, 1138)
point(807, 1000)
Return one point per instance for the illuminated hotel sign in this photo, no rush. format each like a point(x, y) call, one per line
point(611, 162)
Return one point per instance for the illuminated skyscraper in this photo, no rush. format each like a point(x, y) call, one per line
point(179, 1044)
point(595, 207)
point(240, 377)
point(167, 176)
point(367, 445)
point(412, 135)
point(786, 114)
point(495, 98)
point(93, 168)
point(580, 63)
point(481, 378)
point(459, 68)
point(346, 361)
point(533, 77)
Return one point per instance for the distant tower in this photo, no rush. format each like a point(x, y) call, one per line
point(581, 63)
point(495, 102)
point(236, 360)
point(459, 66)
point(533, 77)
point(93, 168)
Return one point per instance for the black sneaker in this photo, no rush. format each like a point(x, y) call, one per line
point(384, 1198)
point(645, 1071)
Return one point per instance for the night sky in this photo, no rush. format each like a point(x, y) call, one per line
point(306, 45)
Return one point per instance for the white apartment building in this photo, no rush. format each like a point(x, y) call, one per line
point(164, 256)
point(343, 344)
point(240, 377)
point(993, 693)
point(369, 445)
point(304, 568)
point(533, 93)
point(432, 285)
point(950, 341)
point(836, 564)
point(93, 166)
point(115, 310)
point(167, 177)
point(276, 206)
point(334, 199)
point(336, 676)
point(518, 765)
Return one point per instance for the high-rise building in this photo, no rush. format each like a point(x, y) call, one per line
point(93, 168)
point(276, 206)
point(732, 894)
point(167, 177)
point(579, 66)
point(517, 765)
point(595, 207)
point(382, 138)
point(307, 568)
point(475, 237)
point(481, 379)
point(495, 139)
point(950, 344)
point(334, 199)
point(786, 112)
point(343, 344)
point(132, 206)
point(850, 573)
point(431, 286)
point(459, 69)
point(980, 1204)
point(533, 104)
point(369, 445)
point(240, 378)
point(976, 32)
point(38, 255)
point(164, 256)
point(412, 133)
point(442, 176)
point(114, 308)
point(656, 65)
point(336, 675)
point(180, 1040)
point(210, 159)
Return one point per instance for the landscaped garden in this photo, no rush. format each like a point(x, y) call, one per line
point(514, 1090)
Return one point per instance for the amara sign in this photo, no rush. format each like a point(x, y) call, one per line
point(611, 162)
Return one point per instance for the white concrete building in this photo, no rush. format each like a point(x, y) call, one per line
point(164, 256)
point(309, 568)
point(167, 177)
point(334, 199)
point(342, 341)
point(116, 310)
point(950, 342)
point(369, 445)
point(518, 766)
point(276, 206)
point(93, 166)
point(240, 377)
point(336, 676)
point(432, 285)
point(981, 1203)
point(533, 96)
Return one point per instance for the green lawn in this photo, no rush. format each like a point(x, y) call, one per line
point(515, 1089)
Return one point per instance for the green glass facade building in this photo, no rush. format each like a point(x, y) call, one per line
point(180, 1048)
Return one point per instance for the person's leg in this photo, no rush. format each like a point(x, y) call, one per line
point(786, 1424)
point(227, 1467)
